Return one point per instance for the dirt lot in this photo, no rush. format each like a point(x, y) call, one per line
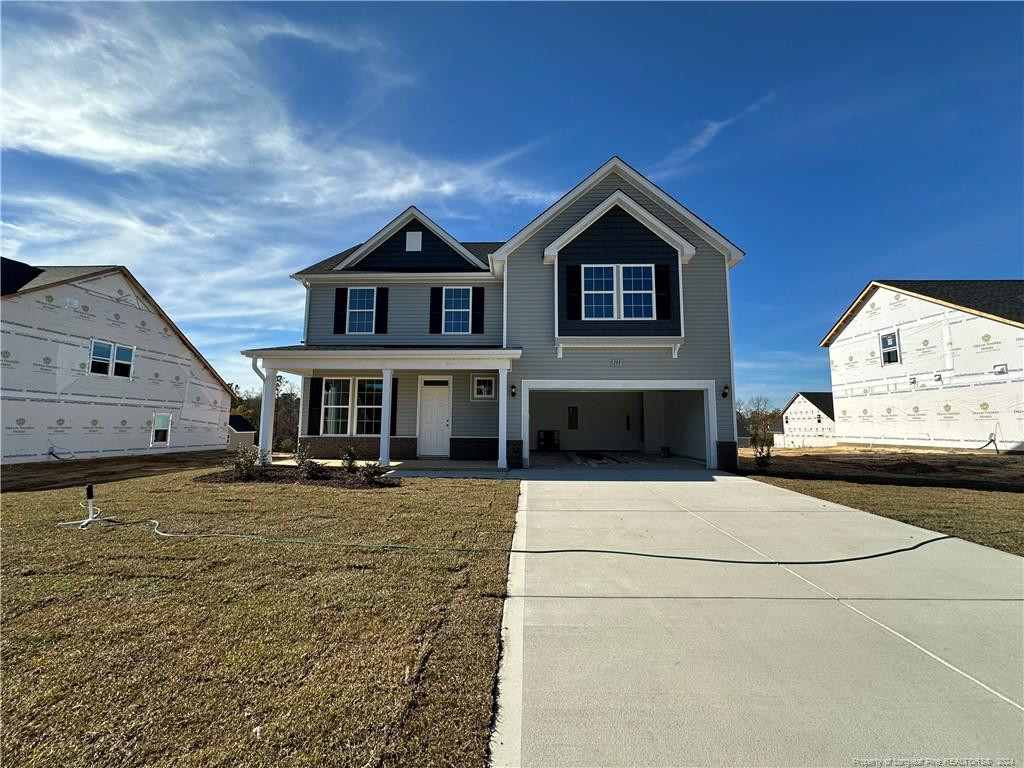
point(42, 475)
point(983, 471)
point(120, 648)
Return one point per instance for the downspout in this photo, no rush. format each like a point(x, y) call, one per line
point(257, 369)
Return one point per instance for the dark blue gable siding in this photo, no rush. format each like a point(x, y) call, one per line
point(618, 238)
point(391, 256)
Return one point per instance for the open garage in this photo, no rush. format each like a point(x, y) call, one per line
point(638, 418)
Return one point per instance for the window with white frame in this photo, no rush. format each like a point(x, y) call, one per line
point(483, 388)
point(890, 347)
point(457, 305)
point(598, 292)
point(369, 406)
point(109, 359)
point(336, 407)
point(161, 434)
point(637, 291)
point(618, 291)
point(361, 305)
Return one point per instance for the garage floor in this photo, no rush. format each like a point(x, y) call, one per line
point(616, 660)
point(561, 459)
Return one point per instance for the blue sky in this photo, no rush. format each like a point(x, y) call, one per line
point(214, 149)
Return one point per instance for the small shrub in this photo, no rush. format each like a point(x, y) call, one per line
point(372, 473)
point(761, 441)
point(309, 469)
point(286, 445)
point(350, 457)
point(249, 463)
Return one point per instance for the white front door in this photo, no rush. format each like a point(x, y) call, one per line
point(435, 416)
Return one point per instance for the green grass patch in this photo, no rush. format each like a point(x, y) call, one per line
point(121, 649)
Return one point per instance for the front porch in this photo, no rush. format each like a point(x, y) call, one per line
point(395, 404)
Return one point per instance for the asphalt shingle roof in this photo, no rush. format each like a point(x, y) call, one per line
point(820, 400)
point(325, 267)
point(1001, 298)
point(18, 276)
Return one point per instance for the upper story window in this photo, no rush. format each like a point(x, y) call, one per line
point(109, 359)
point(618, 291)
point(361, 307)
point(890, 347)
point(413, 241)
point(457, 305)
point(638, 292)
point(598, 292)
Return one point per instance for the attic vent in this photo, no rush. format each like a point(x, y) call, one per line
point(413, 241)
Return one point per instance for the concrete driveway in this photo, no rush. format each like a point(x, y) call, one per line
point(615, 660)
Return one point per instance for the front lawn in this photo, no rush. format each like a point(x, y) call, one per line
point(992, 518)
point(120, 648)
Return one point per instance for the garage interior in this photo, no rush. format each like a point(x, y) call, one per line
point(618, 426)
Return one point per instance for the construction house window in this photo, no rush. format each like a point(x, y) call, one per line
point(109, 359)
point(483, 388)
point(457, 302)
point(574, 417)
point(335, 407)
point(361, 305)
point(890, 348)
point(369, 406)
point(598, 292)
point(161, 429)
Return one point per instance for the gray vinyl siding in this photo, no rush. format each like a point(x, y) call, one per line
point(705, 352)
point(408, 316)
point(470, 418)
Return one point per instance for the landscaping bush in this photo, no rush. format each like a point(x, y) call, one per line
point(309, 469)
point(761, 441)
point(350, 457)
point(372, 473)
point(286, 445)
point(249, 463)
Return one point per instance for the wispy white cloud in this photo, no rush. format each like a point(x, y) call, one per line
point(208, 187)
point(675, 163)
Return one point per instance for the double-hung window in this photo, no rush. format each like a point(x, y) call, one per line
point(161, 434)
point(457, 303)
point(109, 359)
point(335, 410)
point(361, 305)
point(369, 406)
point(890, 347)
point(352, 406)
point(618, 291)
point(599, 292)
point(637, 292)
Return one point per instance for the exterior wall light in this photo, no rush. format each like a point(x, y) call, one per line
point(725, 391)
point(513, 390)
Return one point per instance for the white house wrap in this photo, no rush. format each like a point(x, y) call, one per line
point(57, 401)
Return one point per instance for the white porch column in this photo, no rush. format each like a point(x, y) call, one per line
point(385, 419)
point(502, 418)
point(267, 411)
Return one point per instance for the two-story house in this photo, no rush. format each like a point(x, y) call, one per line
point(603, 324)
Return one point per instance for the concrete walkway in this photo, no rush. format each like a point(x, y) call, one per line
point(615, 660)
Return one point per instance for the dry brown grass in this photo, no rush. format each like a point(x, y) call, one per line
point(978, 516)
point(123, 649)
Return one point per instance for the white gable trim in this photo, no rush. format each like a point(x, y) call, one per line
point(634, 209)
point(616, 165)
point(410, 213)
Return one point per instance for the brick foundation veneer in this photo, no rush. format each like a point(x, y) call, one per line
point(474, 448)
point(323, 447)
point(728, 458)
point(514, 454)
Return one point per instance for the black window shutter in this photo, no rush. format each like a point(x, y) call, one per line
point(478, 309)
point(340, 306)
point(436, 299)
point(663, 292)
point(380, 318)
point(573, 292)
point(316, 398)
point(394, 407)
